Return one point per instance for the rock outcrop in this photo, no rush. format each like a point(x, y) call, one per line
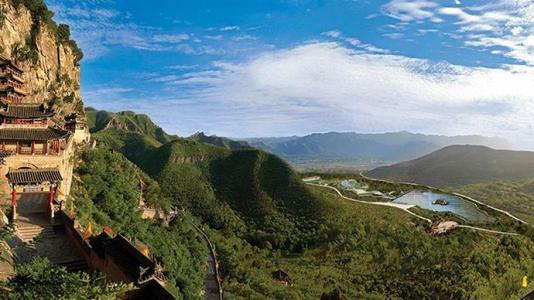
point(44, 51)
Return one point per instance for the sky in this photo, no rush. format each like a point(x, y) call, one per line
point(256, 68)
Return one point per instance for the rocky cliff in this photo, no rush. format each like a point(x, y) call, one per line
point(44, 51)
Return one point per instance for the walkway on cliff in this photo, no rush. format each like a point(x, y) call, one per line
point(212, 282)
point(406, 207)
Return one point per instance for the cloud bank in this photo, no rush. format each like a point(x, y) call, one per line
point(324, 86)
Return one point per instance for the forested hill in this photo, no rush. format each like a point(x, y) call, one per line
point(461, 165)
point(126, 121)
point(264, 220)
point(219, 141)
point(367, 149)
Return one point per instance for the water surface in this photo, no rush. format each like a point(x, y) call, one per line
point(457, 205)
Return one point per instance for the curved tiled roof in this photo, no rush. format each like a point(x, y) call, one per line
point(26, 111)
point(26, 176)
point(8, 62)
point(7, 88)
point(32, 134)
point(12, 76)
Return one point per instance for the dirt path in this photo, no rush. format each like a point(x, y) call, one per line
point(406, 207)
point(487, 230)
point(456, 194)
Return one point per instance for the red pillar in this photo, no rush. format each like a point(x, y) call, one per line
point(51, 203)
point(18, 148)
point(33, 147)
point(51, 200)
point(45, 146)
point(14, 196)
point(14, 202)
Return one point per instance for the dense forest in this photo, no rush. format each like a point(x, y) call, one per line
point(265, 221)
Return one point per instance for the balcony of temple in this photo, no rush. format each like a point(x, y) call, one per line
point(25, 115)
point(11, 82)
point(9, 94)
point(9, 67)
point(34, 141)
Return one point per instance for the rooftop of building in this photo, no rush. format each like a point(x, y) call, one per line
point(11, 76)
point(28, 111)
point(32, 134)
point(6, 61)
point(7, 88)
point(27, 176)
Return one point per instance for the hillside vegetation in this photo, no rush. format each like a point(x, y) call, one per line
point(462, 165)
point(126, 121)
point(515, 197)
point(219, 141)
point(264, 219)
point(108, 194)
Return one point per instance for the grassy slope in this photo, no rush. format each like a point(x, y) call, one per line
point(108, 195)
point(126, 121)
point(219, 141)
point(517, 198)
point(263, 218)
point(268, 220)
point(461, 165)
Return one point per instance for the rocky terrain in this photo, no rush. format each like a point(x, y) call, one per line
point(44, 51)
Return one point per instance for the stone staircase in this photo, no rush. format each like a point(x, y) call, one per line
point(29, 232)
point(75, 265)
point(37, 236)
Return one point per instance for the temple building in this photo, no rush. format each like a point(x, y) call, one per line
point(25, 130)
point(11, 82)
point(35, 150)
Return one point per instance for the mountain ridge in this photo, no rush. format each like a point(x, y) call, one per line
point(364, 149)
point(460, 165)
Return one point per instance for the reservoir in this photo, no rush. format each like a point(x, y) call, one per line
point(454, 204)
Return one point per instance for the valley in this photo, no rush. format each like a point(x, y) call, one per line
point(101, 204)
point(262, 218)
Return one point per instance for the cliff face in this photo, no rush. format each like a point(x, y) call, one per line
point(51, 70)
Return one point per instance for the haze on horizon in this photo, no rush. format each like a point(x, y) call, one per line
point(282, 68)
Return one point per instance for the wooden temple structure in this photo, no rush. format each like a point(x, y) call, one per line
point(11, 82)
point(26, 129)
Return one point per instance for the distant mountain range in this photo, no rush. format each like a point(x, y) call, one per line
point(461, 165)
point(200, 137)
point(367, 149)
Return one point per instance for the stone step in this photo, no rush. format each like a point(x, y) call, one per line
point(75, 265)
point(28, 232)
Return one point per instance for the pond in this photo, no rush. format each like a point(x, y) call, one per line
point(445, 203)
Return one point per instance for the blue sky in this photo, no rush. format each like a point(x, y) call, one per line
point(272, 68)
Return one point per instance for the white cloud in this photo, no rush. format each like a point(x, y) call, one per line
point(332, 33)
point(171, 38)
point(229, 28)
point(325, 86)
point(410, 10)
point(504, 24)
point(338, 35)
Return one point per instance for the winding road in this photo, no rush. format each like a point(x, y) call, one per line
point(456, 194)
point(406, 207)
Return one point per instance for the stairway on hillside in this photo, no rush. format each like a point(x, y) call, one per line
point(29, 232)
point(76, 265)
point(36, 236)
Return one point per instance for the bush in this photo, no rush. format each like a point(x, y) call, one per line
point(41, 279)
